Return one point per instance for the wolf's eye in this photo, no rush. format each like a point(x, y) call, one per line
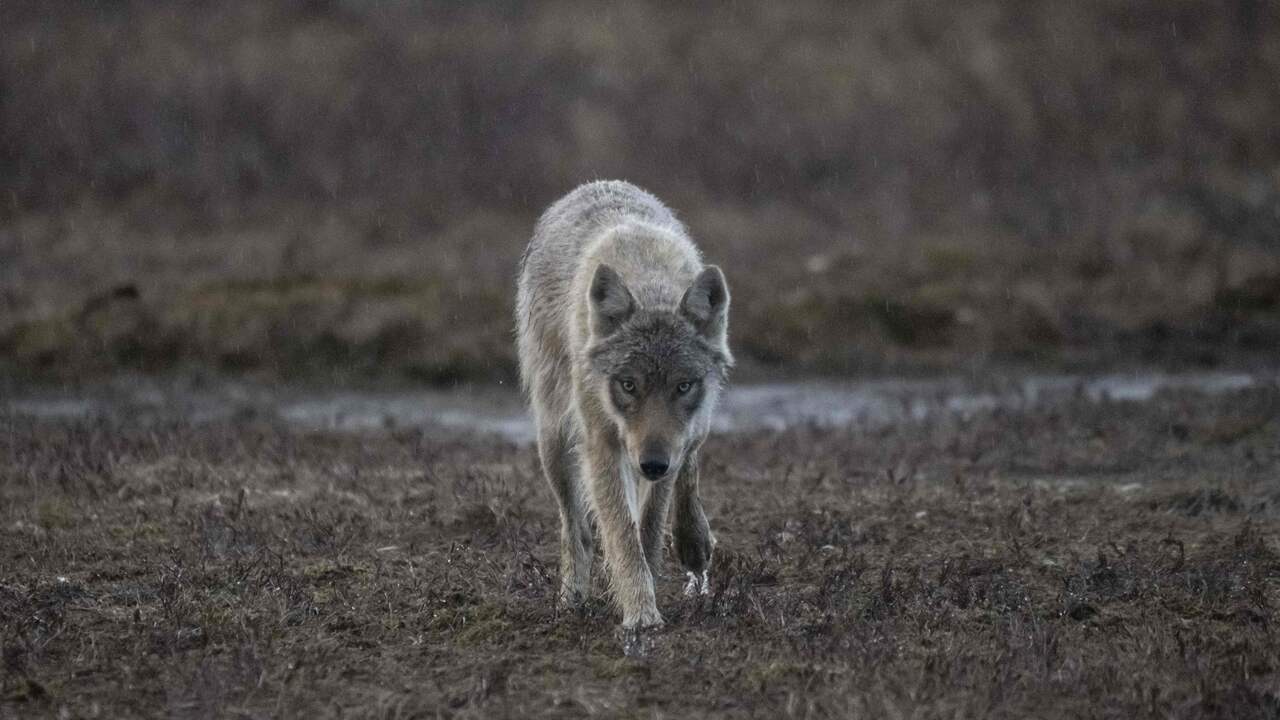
point(628, 386)
point(684, 387)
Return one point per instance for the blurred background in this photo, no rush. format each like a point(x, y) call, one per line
point(343, 189)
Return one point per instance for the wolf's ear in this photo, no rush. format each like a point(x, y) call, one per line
point(706, 303)
point(611, 301)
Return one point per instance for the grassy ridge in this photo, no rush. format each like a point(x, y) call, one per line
point(888, 185)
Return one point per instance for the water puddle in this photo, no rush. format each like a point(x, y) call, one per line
point(500, 411)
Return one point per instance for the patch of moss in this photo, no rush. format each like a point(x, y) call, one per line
point(55, 513)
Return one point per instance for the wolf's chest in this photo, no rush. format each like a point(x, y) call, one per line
point(636, 490)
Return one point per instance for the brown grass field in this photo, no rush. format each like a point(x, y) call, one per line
point(343, 188)
point(1079, 560)
point(336, 194)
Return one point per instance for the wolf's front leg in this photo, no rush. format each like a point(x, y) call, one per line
point(691, 531)
point(653, 525)
point(629, 574)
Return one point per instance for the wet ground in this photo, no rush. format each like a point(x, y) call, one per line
point(1029, 547)
point(499, 410)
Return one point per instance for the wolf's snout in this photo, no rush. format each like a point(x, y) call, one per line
point(654, 460)
point(654, 469)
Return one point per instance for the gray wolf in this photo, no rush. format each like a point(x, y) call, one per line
point(623, 343)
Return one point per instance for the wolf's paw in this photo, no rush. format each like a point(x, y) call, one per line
point(698, 584)
point(637, 634)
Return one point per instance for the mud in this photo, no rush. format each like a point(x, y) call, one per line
point(499, 410)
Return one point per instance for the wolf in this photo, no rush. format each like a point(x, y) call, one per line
point(622, 334)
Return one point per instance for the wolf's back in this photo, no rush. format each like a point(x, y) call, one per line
point(548, 319)
point(564, 229)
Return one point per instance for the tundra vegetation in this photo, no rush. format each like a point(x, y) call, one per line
point(344, 188)
point(1116, 559)
point(341, 190)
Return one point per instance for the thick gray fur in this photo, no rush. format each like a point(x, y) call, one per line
point(623, 347)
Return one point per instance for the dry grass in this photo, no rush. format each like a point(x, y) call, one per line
point(891, 185)
point(1113, 560)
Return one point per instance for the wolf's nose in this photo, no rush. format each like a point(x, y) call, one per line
point(654, 469)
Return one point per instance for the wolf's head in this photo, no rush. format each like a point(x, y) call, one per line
point(658, 373)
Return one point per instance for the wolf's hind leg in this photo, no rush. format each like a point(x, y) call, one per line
point(691, 531)
point(560, 465)
point(653, 525)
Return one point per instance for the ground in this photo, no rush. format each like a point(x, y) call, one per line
point(338, 193)
point(1080, 560)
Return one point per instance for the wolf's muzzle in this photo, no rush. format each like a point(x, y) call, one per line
point(654, 469)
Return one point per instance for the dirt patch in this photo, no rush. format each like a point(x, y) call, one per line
point(1081, 560)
